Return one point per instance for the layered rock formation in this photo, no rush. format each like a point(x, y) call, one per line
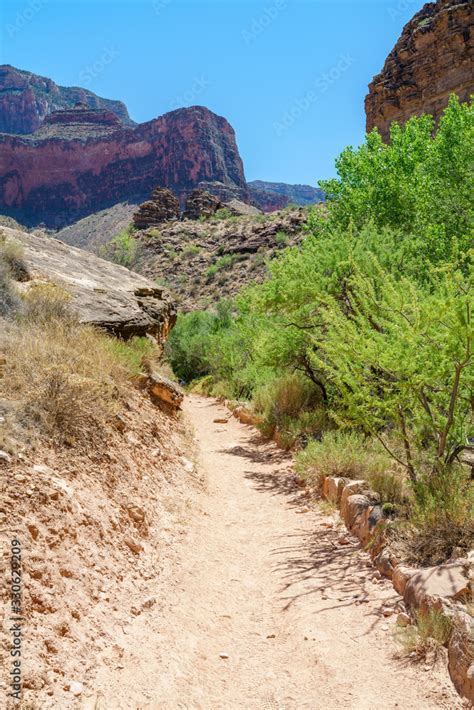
point(201, 261)
point(26, 99)
point(200, 203)
point(162, 206)
point(433, 58)
point(82, 160)
point(103, 294)
point(271, 196)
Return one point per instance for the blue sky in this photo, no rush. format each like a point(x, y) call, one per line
point(289, 75)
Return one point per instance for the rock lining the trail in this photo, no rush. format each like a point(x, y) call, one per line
point(442, 587)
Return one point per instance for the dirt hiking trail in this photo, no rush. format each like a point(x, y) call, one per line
point(265, 609)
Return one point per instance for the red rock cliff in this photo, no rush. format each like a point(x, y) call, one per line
point(432, 59)
point(26, 99)
point(81, 160)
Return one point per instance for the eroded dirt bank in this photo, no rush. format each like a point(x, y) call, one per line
point(264, 609)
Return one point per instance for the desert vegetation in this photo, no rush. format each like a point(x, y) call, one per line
point(358, 346)
point(63, 381)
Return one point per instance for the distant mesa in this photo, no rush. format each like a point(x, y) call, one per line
point(272, 196)
point(66, 153)
point(26, 99)
point(433, 58)
point(87, 155)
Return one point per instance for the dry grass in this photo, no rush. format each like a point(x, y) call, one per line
point(44, 303)
point(10, 267)
point(424, 640)
point(64, 381)
point(442, 518)
point(342, 454)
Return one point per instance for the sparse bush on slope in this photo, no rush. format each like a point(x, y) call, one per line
point(11, 267)
point(65, 379)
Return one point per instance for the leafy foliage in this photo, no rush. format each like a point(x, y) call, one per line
point(373, 310)
point(122, 249)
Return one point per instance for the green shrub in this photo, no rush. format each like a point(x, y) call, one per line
point(223, 262)
point(11, 256)
point(191, 250)
point(420, 184)
point(282, 239)
point(442, 518)
point(9, 300)
point(211, 271)
point(344, 454)
point(431, 631)
point(122, 249)
point(286, 396)
point(132, 354)
point(223, 213)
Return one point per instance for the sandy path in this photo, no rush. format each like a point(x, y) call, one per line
point(264, 581)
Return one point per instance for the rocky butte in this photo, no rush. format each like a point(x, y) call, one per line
point(83, 159)
point(433, 58)
point(26, 99)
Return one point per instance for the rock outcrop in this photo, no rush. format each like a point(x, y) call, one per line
point(26, 99)
point(200, 203)
point(271, 196)
point(102, 294)
point(205, 260)
point(432, 59)
point(164, 392)
point(82, 160)
point(162, 206)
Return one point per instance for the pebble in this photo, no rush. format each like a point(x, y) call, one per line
point(4, 457)
point(40, 468)
point(403, 619)
point(74, 687)
point(343, 540)
point(385, 627)
point(223, 655)
point(386, 611)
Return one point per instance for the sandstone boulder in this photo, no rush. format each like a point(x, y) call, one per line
point(355, 514)
point(426, 586)
point(349, 489)
point(238, 207)
point(332, 489)
point(383, 562)
point(162, 206)
point(102, 294)
point(461, 655)
point(400, 577)
point(165, 392)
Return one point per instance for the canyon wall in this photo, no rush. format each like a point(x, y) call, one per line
point(433, 58)
point(26, 99)
point(82, 160)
